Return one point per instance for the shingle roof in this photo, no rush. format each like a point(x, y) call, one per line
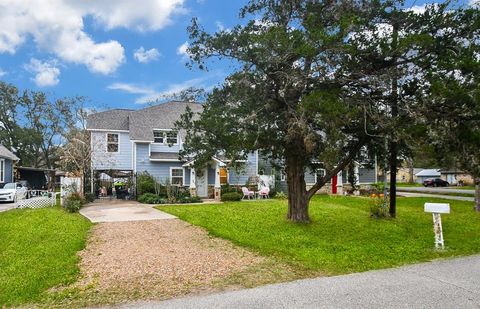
point(7, 154)
point(161, 116)
point(428, 172)
point(164, 156)
point(115, 119)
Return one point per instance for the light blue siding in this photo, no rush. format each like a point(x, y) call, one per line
point(164, 148)
point(366, 175)
point(8, 172)
point(249, 170)
point(159, 170)
point(121, 160)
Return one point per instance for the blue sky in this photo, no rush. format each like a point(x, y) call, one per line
point(117, 53)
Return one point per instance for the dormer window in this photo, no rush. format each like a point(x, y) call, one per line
point(165, 137)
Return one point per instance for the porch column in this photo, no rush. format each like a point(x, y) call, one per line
point(193, 187)
point(217, 190)
point(339, 183)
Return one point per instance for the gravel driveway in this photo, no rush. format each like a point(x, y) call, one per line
point(156, 259)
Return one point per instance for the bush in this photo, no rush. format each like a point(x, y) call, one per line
point(89, 197)
point(72, 206)
point(150, 198)
point(229, 188)
point(145, 183)
point(231, 196)
point(280, 195)
point(189, 199)
point(377, 209)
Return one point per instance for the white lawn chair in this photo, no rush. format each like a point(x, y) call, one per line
point(264, 192)
point(247, 193)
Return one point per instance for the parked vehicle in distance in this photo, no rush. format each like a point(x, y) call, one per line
point(12, 192)
point(435, 182)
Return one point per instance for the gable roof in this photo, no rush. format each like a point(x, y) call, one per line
point(142, 122)
point(7, 154)
point(114, 119)
point(428, 172)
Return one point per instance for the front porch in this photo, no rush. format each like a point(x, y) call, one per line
point(206, 182)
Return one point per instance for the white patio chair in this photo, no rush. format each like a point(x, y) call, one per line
point(264, 192)
point(247, 193)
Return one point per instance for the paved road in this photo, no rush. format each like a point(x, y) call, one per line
point(435, 190)
point(118, 211)
point(7, 206)
point(448, 197)
point(451, 283)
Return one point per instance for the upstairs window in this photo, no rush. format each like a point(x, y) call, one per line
point(112, 142)
point(165, 137)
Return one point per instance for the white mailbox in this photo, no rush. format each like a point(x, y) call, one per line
point(436, 209)
point(439, 208)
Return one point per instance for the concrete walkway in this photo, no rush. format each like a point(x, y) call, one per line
point(119, 210)
point(7, 206)
point(453, 283)
point(448, 197)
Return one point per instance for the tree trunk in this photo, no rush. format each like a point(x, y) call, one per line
point(477, 194)
point(393, 179)
point(297, 191)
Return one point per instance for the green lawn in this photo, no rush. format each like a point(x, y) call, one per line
point(38, 251)
point(342, 238)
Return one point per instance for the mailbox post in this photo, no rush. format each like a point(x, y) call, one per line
point(436, 209)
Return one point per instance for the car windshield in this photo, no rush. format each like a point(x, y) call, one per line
point(9, 185)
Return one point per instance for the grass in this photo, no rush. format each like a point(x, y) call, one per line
point(38, 251)
point(342, 237)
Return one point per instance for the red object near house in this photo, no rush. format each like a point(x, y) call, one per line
point(334, 184)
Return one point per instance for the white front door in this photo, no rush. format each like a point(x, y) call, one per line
point(202, 183)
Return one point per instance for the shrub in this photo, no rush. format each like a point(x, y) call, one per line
point(150, 198)
point(89, 197)
point(378, 209)
point(229, 188)
point(145, 183)
point(72, 205)
point(231, 196)
point(75, 196)
point(280, 195)
point(189, 199)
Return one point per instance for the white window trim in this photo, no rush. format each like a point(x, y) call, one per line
point(106, 142)
point(165, 137)
point(316, 173)
point(283, 175)
point(183, 175)
point(2, 169)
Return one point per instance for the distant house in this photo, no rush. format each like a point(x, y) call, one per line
point(426, 174)
point(7, 160)
point(456, 177)
point(128, 142)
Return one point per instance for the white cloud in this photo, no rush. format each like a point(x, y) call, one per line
point(420, 9)
point(145, 56)
point(130, 88)
point(149, 94)
point(474, 3)
point(182, 50)
point(56, 26)
point(2, 73)
point(46, 73)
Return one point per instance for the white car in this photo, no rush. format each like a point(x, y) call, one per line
point(12, 192)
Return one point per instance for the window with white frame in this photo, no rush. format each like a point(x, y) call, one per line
point(112, 142)
point(283, 176)
point(319, 174)
point(165, 137)
point(176, 176)
point(2, 170)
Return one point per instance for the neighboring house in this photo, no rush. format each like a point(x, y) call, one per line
point(127, 142)
point(426, 174)
point(7, 160)
point(455, 177)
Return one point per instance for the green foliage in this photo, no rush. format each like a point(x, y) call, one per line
point(280, 195)
point(228, 188)
point(145, 183)
point(342, 237)
point(72, 205)
point(378, 209)
point(150, 198)
point(89, 197)
point(231, 196)
point(44, 255)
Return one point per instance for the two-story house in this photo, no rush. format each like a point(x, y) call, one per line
point(7, 160)
point(127, 142)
